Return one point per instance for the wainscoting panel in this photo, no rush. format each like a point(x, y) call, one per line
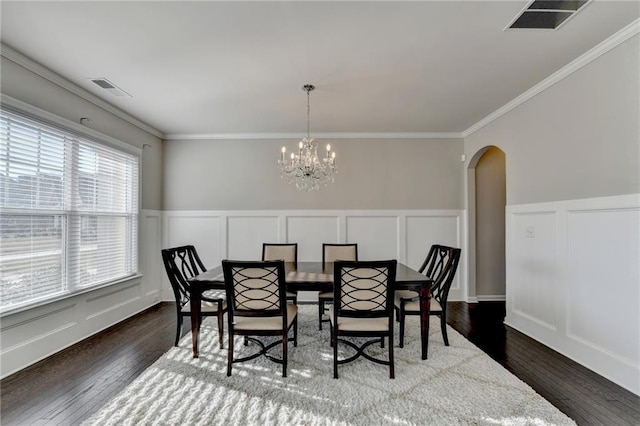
point(310, 232)
point(150, 257)
point(534, 258)
point(386, 234)
point(36, 333)
point(603, 265)
point(203, 230)
point(112, 298)
point(245, 235)
point(377, 236)
point(45, 323)
point(573, 281)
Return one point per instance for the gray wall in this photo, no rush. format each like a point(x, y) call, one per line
point(579, 138)
point(490, 224)
point(373, 174)
point(29, 87)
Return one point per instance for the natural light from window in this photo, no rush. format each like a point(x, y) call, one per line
point(68, 211)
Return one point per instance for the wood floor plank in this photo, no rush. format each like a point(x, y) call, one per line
point(70, 386)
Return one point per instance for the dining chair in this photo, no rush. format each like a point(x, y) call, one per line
point(441, 265)
point(363, 307)
point(282, 251)
point(331, 253)
point(256, 295)
point(182, 263)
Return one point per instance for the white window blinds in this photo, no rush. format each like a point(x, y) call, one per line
point(68, 211)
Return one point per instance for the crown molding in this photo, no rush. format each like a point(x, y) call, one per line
point(615, 40)
point(31, 65)
point(249, 136)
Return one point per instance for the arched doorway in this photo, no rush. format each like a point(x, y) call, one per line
point(486, 183)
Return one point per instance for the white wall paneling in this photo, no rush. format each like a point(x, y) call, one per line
point(381, 234)
point(31, 335)
point(310, 232)
point(573, 281)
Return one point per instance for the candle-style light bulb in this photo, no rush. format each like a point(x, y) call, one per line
point(284, 149)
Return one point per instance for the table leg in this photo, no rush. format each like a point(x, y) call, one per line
point(196, 302)
point(425, 306)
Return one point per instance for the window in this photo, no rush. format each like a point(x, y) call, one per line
point(68, 211)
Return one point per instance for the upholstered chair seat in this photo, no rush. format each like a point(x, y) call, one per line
point(266, 323)
point(360, 324)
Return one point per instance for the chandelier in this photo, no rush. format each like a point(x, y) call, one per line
point(305, 168)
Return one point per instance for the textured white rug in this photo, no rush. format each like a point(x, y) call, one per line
point(457, 385)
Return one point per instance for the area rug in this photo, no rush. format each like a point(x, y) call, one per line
point(457, 385)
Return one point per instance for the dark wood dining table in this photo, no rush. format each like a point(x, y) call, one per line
point(311, 276)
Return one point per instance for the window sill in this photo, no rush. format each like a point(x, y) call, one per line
point(67, 295)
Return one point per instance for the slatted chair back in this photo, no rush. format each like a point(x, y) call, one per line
point(280, 251)
point(181, 264)
point(441, 265)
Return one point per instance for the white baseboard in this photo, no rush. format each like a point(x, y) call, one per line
point(491, 298)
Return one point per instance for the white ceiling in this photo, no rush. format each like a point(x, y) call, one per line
point(212, 68)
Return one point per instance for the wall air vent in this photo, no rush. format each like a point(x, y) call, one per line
point(547, 14)
point(108, 86)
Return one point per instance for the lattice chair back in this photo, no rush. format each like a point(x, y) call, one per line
point(181, 264)
point(255, 288)
point(441, 265)
point(364, 288)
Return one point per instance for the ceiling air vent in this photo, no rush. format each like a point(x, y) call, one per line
point(108, 86)
point(547, 14)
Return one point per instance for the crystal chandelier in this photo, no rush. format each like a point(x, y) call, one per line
point(305, 168)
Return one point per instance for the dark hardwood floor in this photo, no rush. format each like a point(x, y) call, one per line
point(68, 387)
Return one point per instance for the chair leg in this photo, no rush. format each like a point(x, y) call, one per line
point(382, 342)
point(295, 332)
point(402, 319)
point(284, 355)
point(443, 326)
point(179, 330)
point(230, 354)
point(220, 327)
point(320, 312)
point(334, 339)
point(392, 373)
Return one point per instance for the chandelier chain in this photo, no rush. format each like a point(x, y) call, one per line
point(308, 112)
